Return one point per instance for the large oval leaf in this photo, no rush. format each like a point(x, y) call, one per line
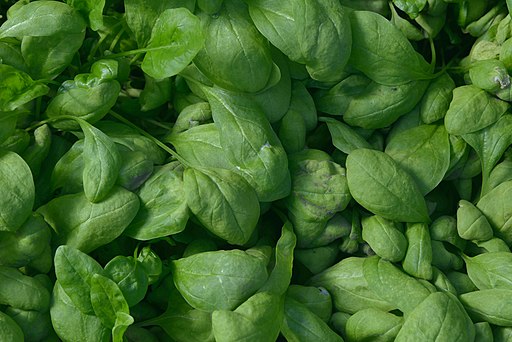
point(424, 152)
point(175, 40)
point(18, 191)
point(223, 202)
point(219, 280)
point(380, 185)
point(87, 226)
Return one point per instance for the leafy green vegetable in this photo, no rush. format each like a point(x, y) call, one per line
point(255, 170)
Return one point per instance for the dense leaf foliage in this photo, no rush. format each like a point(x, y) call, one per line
point(256, 170)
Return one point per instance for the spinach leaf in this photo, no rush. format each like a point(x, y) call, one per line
point(102, 163)
point(490, 270)
point(380, 185)
point(162, 211)
point(107, 300)
point(439, 316)
point(231, 35)
point(18, 189)
point(424, 152)
point(220, 280)
point(245, 322)
point(175, 40)
point(294, 29)
point(383, 53)
point(18, 88)
point(223, 202)
point(472, 109)
point(251, 145)
point(86, 226)
point(74, 270)
point(70, 323)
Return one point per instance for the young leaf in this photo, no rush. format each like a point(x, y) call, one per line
point(293, 28)
point(17, 88)
point(380, 185)
point(344, 138)
point(223, 202)
point(175, 40)
point(91, 10)
point(490, 270)
point(102, 163)
point(439, 317)
point(18, 191)
point(74, 271)
point(264, 309)
point(107, 300)
point(87, 226)
point(424, 152)
point(250, 143)
point(163, 209)
point(42, 18)
point(382, 52)
point(472, 109)
point(219, 280)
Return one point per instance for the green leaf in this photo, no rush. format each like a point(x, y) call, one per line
point(437, 98)
point(380, 185)
point(22, 291)
point(498, 210)
point(87, 226)
point(42, 18)
point(492, 305)
point(200, 147)
point(9, 330)
point(411, 7)
point(490, 143)
point(373, 324)
point(293, 27)
point(176, 38)
point(344, 138)
point(107, 300)
point(219, 280)
point(231, 36)
point(74, 271)
point(384, 237)
point(18, 191)
point(300, 324)
point(490, 270)
point(472, 109)
point(439, 317)
point(251, 145)
point(390, 284)
point(91, 10)
point(123, 321)
point(382, 52)
point(102, 163)
point(245, 323)
point(163, 209)
point(348, 287)
point(70, 323)
point(17, 88)
point(129, 275)
point(281, 275)
point(418, 258)
point(223, 202)
point(378, 105)
point(424, 152)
